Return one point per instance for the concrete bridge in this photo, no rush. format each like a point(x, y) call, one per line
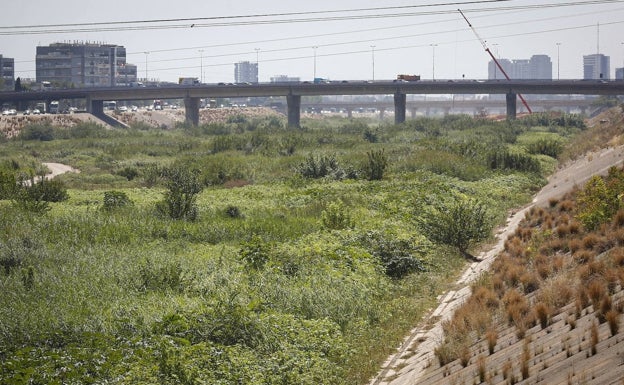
point(293, 92)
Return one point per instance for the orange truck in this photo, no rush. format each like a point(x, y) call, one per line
point(408, 78)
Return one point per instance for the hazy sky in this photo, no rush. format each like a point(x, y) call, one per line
point(429, 38)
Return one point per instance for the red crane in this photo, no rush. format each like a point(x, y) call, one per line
point(493, 58)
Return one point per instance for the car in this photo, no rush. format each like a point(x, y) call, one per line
point(134, 108)
point(12, 111)
point(36, 111)
point(5, 113)
point(26, 112)
point(123, 109)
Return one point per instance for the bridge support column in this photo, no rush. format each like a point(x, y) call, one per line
point(382, 113)
point(400, 101)
point(349, 113)
point(511, 106)
point(191, 106)
point(294, 110)
point(95, 107)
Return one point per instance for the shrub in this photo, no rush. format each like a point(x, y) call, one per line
point(550, 147)
point(128, 172)
point(315, 167)
point(459, 222)
point(399, 257)
point(179, 202)
point(506, 160)
point(377, 163)
point(115, 199)
point(336, 216)
point(596, 203)
point(43, 132)
point(255, 253)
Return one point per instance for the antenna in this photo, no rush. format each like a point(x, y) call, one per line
point(494, 58)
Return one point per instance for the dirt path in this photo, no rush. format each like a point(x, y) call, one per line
point(417, 350)
point(58, 169)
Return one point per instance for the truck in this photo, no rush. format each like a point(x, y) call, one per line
point(320, 80)
point(54, 107)
point(408, 78)
point(188, 81)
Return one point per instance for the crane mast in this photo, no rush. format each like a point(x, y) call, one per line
point(487, 49)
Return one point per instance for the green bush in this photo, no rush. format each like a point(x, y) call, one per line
point(255, 253)
point(550, 147)
point(507, 160)
point(183, 186)
point(459, 222)
point(320, 167)
point(128, 172)
point(398, 257)
point(336, 216)
point(42, 132)
point(376, 166)
point(115, 199)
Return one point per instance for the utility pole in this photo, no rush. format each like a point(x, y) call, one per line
point(201, 66)
point(257, 65)
point(433, 60)
point(558, 61)
point(373, 52)
point(314, 48)
point(146, 77)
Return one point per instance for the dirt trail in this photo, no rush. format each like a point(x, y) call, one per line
point(417, 350)
point(58, 169)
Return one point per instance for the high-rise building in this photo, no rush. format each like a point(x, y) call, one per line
point(246, 72)
point(81, 64)
point(596, 66)
point(619, 73)
point(537, 67)
point(7, 73)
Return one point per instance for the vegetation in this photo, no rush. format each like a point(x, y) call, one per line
point(243, 252)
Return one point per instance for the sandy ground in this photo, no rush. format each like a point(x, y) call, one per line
point(423, 339)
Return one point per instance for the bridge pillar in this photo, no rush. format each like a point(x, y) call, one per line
point(349, 113)
point(382, 113)
point(294, 110)
point(511, 105)
point(400, 101)
point(95, 107)
point(191, 107)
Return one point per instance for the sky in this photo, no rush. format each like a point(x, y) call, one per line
point(333, 39)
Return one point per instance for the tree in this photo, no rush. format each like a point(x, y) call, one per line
point(459, 222)
point(18, 85)
point(183, 185)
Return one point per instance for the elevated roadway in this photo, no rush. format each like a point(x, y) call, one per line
point(293, 92)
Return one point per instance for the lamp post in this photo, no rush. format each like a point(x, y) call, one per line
point(201, 66)
point(257, 65)
point(433, 60)
point(373, 53)
point(146, 77)
point(622, 62)
point(314, 48)
point(558, 61)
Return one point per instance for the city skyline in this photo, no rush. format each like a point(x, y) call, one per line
point(421, 38)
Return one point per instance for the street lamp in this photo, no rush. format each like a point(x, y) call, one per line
point(373, 52)
point(314, 48)
point(558, 61)
point(201, 66)
point(257, 66)
point(146, 53)
point(433, 60)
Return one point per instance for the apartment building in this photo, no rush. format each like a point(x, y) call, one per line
point(7, 73)
point(84, 64)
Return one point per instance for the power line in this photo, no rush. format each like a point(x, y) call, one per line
point(115, 26)
point(196, 19)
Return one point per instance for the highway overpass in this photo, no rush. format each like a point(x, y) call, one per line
point(293, 92)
